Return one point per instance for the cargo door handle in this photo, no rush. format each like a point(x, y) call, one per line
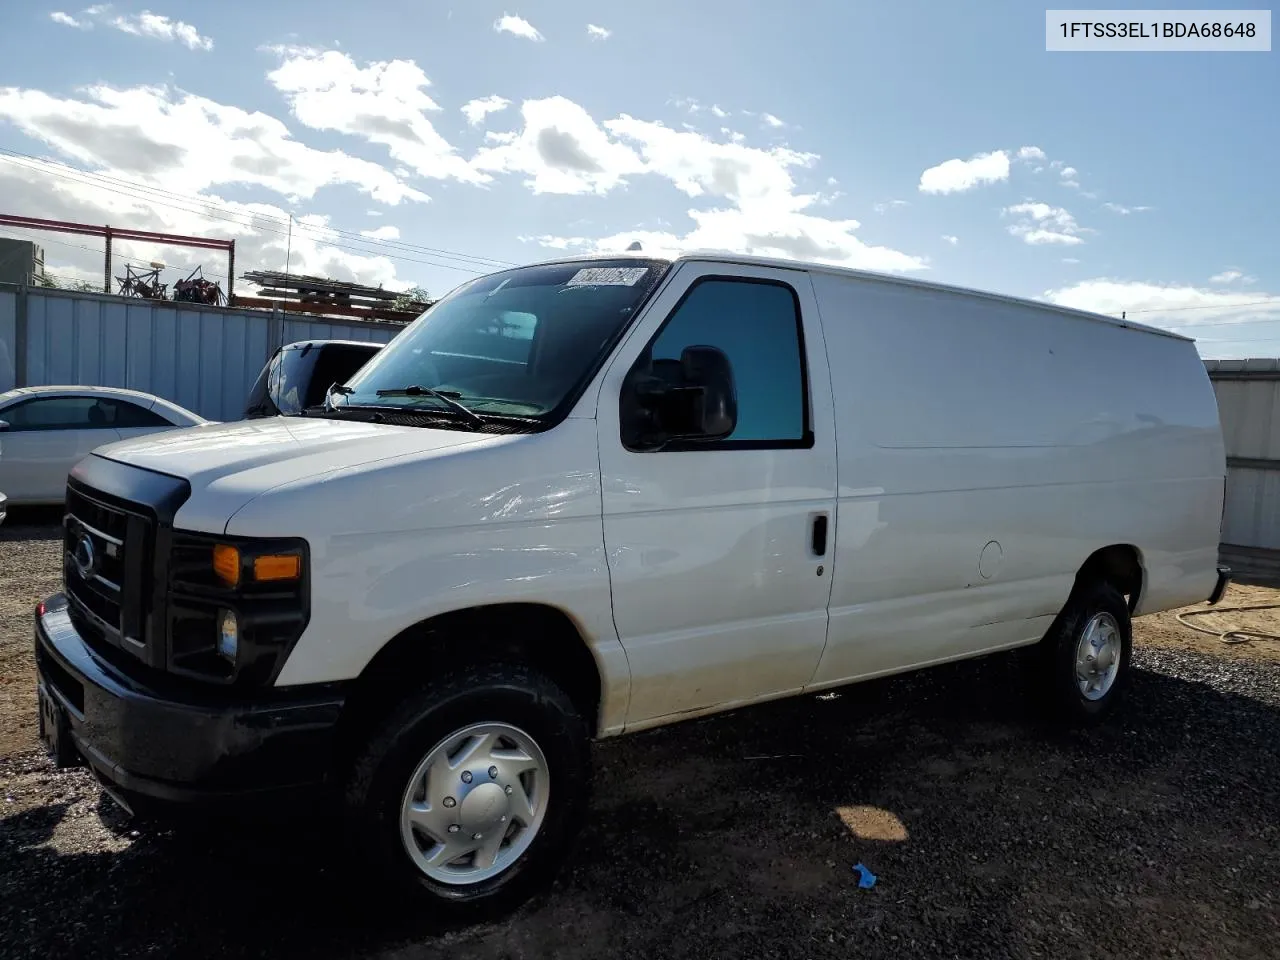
point(820, 535)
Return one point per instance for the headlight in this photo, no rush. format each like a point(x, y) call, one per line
point(235, 605)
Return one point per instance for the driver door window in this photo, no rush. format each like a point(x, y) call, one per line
point(757, 325)
point(47, 436)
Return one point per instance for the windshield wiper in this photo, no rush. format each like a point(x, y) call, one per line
point(447, 398)
point(338, 388)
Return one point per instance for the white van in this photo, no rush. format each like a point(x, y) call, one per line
point(589, 497)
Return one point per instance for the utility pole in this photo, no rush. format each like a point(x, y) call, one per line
point(106, 264)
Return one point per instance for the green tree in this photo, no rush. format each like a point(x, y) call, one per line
point(415, 299)
point(61, 283)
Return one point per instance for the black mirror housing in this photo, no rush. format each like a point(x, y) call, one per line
point(691, 399)
point(709, 374)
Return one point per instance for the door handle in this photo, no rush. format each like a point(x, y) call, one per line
point(820, 535)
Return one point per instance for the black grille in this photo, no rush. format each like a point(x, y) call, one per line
point(106, 564)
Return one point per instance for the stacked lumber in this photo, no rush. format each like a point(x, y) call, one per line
point(320, 295)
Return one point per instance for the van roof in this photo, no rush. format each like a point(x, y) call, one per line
point(809, 267)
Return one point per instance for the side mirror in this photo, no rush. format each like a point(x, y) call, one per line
point(4, 425)
point(691, 399)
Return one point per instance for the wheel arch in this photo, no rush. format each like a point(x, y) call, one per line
point(544, 637)
point(1122, 566)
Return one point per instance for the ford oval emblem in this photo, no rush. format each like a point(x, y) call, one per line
point(85, 557)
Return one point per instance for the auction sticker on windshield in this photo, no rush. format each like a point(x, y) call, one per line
point(607, 277)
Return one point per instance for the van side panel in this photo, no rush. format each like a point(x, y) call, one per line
point(985, 449)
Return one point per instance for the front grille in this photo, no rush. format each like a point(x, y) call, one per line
point(106, 567)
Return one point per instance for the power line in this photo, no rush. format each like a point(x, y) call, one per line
point(44, 165)
point(39, 237)
point(370, 246)
point(1208, 306)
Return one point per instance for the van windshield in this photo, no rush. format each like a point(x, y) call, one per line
point(518, 343)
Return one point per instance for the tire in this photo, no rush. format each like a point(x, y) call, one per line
point(1100, 608)
point(519, 702)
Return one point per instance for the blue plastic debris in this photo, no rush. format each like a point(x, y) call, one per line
point(866, 879)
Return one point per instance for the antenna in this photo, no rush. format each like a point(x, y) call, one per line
point(635, 246)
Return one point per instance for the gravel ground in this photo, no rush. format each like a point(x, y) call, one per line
point(1153, 836)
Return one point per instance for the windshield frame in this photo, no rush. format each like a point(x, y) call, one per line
point(549, 418)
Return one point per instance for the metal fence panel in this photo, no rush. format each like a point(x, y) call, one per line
point(8, 340)
point(1248, 394)
point(203, 358)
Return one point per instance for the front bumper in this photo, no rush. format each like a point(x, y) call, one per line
point(179, 743)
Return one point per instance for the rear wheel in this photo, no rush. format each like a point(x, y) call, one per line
point(1086, 655)
point(471, 793)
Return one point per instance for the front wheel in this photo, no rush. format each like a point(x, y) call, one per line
point(473, 791)
point(1085, 656)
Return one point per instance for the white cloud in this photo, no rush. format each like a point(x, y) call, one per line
point(956, 175)
point(718, 112)
point(1231, 275)
point(1070, 260)
point(147, 24)
point(597, 33)
point(699, 166)
point(382, 233)
point(476, 110)
point(950, 239)
point(1123, 210)
point(789, 236)
point(1030, 153)
point(1068, 173)
point(188, 144)
point(518, 27)
point(757, 209)
point(259, 229)
point(144, 24)
point(887, 205)
point(1040, 223)
point(560, 243)
point(770, 120)
point(1168, 305)
point(561, 149)
point(384, 102)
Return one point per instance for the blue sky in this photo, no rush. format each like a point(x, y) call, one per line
point(937, 140)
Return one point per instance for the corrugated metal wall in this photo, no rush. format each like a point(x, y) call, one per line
point(203, 358)
point(1249, 408)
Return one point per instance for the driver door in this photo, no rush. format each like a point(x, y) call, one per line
point(719, 552)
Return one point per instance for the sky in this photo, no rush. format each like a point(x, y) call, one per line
point(422, 143)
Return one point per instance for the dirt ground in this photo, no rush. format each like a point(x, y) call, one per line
point(1155, 835)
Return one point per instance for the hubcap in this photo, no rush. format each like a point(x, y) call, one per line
point(1098, 656)
point(475, 803)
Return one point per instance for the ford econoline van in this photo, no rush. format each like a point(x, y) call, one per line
point(584, 498)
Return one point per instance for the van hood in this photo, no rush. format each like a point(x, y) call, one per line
point(228, 464)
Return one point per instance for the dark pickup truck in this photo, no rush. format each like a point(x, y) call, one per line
point(298, 374)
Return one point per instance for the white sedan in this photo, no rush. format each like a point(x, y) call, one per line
point(45, 431)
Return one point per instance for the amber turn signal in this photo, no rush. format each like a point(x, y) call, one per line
point(226, 564)
point(277, 567)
